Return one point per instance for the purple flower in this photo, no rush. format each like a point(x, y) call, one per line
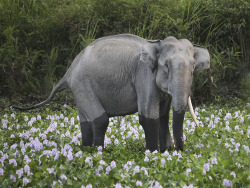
point(13, 161)
point(72, 121)
point(78, 154)
point(163, 161)
point(188, 171)
point(108, 169)
point(13, 178)
point(137, 169)
point(228, 116)
point(51, 170)
point(227, 183)
point(118, 185)
point(1, 171)
point(233, 174)
point(26, 118)
point(206, 168)
point(89, 161)
point(27, 169)
point(70, 156)
point(13, 146)
point(25, 181)
point(63, 177)
point(214, 161)
point(113, 164)
point(26, 135)
point(27, 159)
point(138, 183)
point(146, 159)
point(19, 172)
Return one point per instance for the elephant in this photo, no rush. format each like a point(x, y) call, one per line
point(123, 74)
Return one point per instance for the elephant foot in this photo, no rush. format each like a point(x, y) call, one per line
point(179, 145)
point(169, 146)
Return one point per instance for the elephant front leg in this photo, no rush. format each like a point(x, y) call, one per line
point(151, 129)
point(165, 136)
point(178, 118)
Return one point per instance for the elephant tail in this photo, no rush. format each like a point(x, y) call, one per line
point(62, 84)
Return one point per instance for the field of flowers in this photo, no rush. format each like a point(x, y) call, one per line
point(43, 149)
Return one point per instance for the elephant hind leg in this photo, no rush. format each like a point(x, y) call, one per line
point(100, 125)
point(94, 120)
point(93, 132)
point(87, 134)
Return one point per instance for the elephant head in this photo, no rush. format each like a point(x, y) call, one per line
point(175, 62)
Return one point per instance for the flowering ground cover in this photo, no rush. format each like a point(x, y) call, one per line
point(43, 149)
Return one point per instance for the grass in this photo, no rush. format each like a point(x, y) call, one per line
point(42, 149)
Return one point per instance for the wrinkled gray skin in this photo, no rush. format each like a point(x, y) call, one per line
point(124, 74)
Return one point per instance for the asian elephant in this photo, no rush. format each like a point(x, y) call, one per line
point(123, 74)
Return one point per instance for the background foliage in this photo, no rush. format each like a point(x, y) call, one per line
point(40, 38)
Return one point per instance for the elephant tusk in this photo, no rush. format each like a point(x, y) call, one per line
point(192, 111)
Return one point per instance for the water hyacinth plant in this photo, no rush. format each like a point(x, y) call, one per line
point(44, 150)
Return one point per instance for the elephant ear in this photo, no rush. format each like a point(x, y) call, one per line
point(202, 58)
point(148, 54)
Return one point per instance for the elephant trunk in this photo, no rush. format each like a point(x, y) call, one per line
point(180, 102)
point(179, 107)
point(178, 117)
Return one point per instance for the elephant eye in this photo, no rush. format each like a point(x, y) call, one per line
point(166, 65)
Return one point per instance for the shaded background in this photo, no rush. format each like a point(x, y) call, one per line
point(40, 38)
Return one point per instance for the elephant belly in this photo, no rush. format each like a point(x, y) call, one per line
point(118, 102)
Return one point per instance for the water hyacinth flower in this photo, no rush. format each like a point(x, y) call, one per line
point(163, 161)
point(136, 169)
point(26, 118)
point(227, 127)
point(233, 174)
point(63, 177)
point(19, 172)
point(27, 170)
point(72, 121)
point(108, 169)
point(79, 154)
point(89, 161)
point(188, 171)
point(13, 161)
point(246, 148)
point(1, 171)
point(206, 168)
point(25, 181)
point(227, 183)
point(51, 170)
point(214, 161)
point(188, 186)
point(139, 183)
point(113, 164)
point(228, 116)
point(118, 185)
point(13, 178)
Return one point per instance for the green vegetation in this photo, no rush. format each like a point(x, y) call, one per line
point(39, 39)
point(42, 149)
